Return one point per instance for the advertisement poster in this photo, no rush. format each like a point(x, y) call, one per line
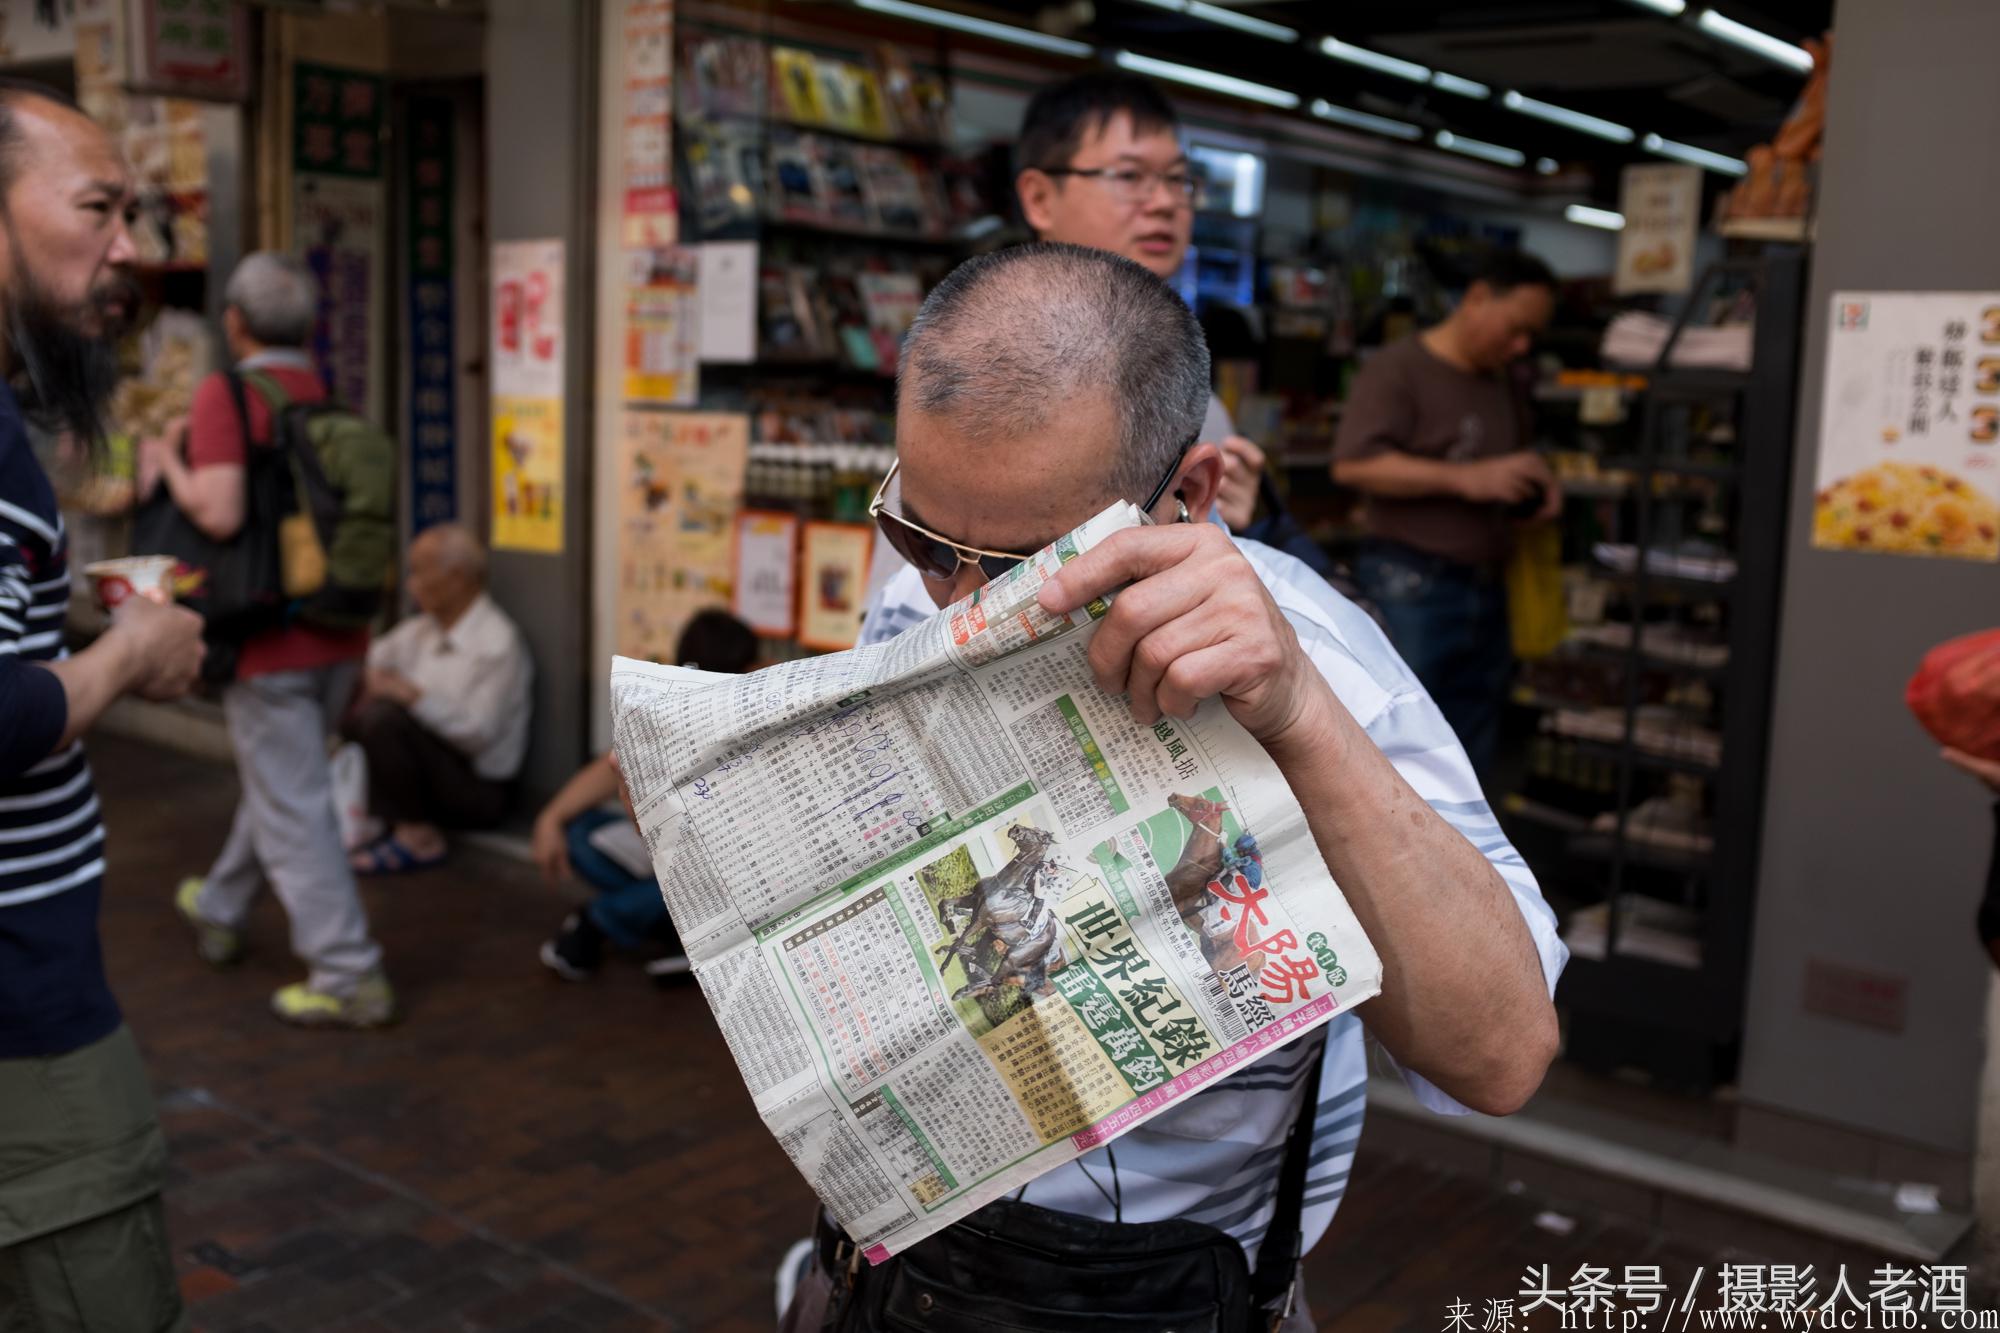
point(679, 488)
point(833, 583)
point(427, 262)
point(727, 292)
point(766, 552)
point(1662, 208)
point(651, 217)
point(190, 48)
point(338, 226)
point(527, 474)
point(1909, 426)
point(662, 326)
point(528, 319)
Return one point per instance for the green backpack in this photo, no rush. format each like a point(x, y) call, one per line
point(337, 549)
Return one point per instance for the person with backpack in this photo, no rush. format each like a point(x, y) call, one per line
point(294, 679)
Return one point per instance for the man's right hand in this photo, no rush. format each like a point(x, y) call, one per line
point(1505, 480)
point(163, 646)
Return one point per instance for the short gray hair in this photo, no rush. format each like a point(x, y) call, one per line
point(1008, 336)
point(456, 548)
point(276, 296)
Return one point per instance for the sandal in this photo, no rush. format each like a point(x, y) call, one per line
point(386, 856)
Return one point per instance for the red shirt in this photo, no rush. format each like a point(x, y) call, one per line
point(215, 436)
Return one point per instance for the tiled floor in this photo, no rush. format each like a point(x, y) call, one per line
point(524, 1154)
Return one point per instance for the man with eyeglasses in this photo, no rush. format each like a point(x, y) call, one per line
point(1037, 386)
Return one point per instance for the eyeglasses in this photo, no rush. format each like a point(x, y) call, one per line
point(938, 557)
point(1133, 186)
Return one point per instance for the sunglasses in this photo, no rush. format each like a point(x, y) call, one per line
point(939, 558)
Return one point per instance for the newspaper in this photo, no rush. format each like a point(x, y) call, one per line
point(960, 918)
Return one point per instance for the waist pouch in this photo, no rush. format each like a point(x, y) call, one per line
point(1016, 1268)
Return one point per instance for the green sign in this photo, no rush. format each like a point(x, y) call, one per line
point(337, 120)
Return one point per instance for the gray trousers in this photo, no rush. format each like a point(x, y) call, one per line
point(286, 831)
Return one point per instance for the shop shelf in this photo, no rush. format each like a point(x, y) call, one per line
point(1661, 763)
point(1604, 847)
point(1599, 652)
point(1678, 467)
point(1689, 589)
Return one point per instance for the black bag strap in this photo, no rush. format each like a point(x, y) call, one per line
point(1271, 1286)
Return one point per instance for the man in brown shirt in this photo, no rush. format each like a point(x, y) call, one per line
point(1435, 434)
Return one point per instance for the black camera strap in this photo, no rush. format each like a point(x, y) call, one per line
point(1273, 1287)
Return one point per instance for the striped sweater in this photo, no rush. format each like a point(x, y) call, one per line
point(53, 996)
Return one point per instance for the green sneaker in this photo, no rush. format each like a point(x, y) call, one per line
point(371, 1005)
point(218, 946)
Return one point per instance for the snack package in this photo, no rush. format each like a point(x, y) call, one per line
point(1956, 693)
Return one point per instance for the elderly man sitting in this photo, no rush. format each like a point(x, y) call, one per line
point(443, 713)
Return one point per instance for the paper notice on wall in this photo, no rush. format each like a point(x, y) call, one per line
point(527, 474)
point(1909, 425)
point(647, 98)
point(833, 581)
point(728, 301)
point(1662, 210)
point(766, 552)
point(338, 226)
point(528, 319)
point(680, 486)
point(662, 325)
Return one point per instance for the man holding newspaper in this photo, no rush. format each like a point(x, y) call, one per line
point(1048, 395)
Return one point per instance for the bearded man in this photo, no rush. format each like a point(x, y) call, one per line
point(82, 1240)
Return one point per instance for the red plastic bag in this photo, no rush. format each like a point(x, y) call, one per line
point(1956, 693)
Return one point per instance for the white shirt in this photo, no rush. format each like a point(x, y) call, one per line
point(1214, 1158)
point(475, 679)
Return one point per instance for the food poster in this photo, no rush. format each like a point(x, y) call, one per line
point(527, 474)
point(766, 561)
point(679, 490)
point(833, 583)
point(528, 319)
point(1661, 205)
point(1910, 426)
point(652, 217)
point(662, 326)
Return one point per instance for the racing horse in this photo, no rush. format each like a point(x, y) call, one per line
point(1200, 866)
point(1004, 908)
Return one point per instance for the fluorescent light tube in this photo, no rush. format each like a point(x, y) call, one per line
point(1586, 216)
point(1671, 8)
point(1360, 55)
point(1204, 78)
point(1491, 152)
point(999, 32)
point(1547, 166)
point(1451, 83)
point(1701, 157)
point(1361, 120)
point(1750, 39)
point(1561, 115)
point(1249, 23)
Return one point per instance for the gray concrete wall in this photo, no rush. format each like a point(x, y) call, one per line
point(539, 183)
point(1874, 852)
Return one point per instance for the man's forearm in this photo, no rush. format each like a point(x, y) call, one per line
point(91, 681)
point(1399, 476)
point(1464, 1001)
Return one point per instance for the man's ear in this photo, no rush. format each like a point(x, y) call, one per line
point(1037, 190)
point(1199, 480)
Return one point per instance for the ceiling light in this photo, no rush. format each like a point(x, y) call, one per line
point(1575, 120)
point(1451, 83)
point(1671, 8)
point(1491, 152)
point(1701, 157)
point(1360, 55)
point(1547, 166)
point(999, 32)
point(1249, 23)
point(1585, 216)
point(1361, 120)
point(1203, 78)
point(1750, 39)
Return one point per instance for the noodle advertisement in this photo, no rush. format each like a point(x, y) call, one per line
point(1910, 426)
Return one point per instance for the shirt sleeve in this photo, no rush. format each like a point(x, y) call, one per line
point(900, 604)
point(34, 707)
point(215, 430)
point(1414, 736)
point(391, 651)
point(1378, 415)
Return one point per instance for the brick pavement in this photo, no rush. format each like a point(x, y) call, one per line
point(523, 1154)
